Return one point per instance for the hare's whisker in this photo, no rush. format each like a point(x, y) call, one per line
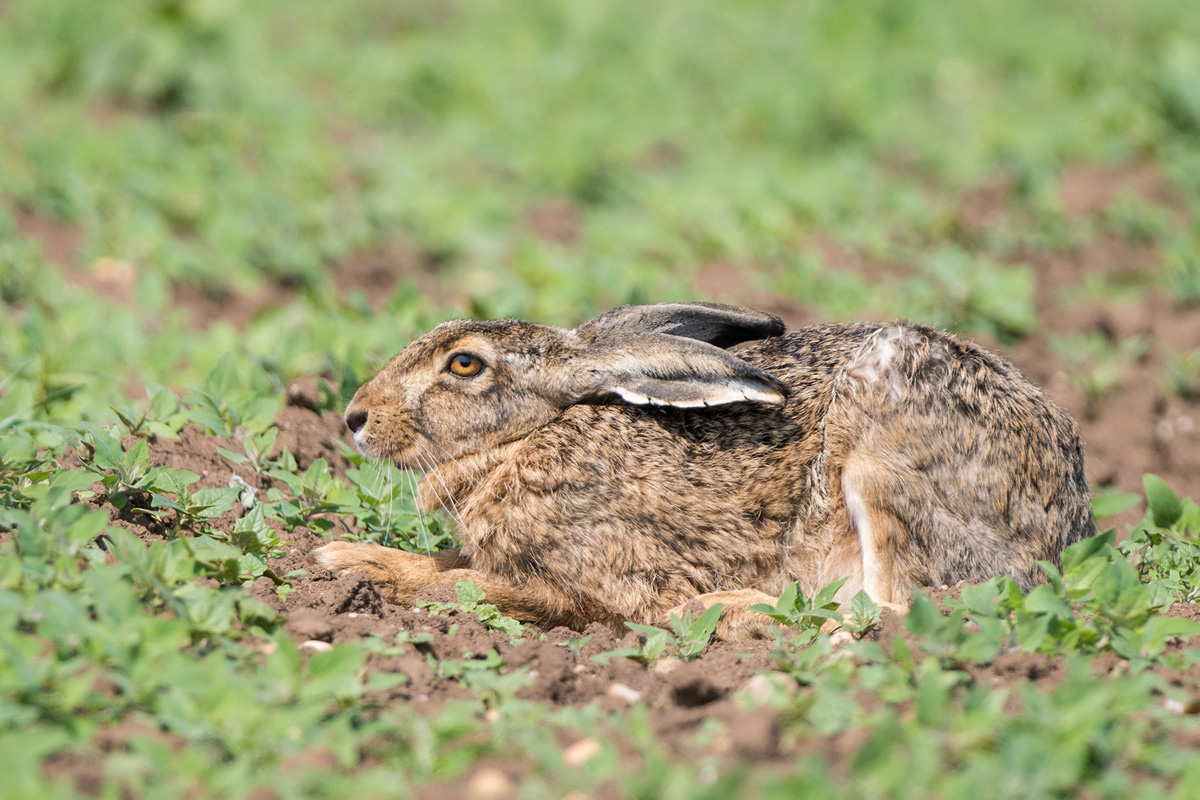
point(387, 517)
point(411, 477)
point(455, 514)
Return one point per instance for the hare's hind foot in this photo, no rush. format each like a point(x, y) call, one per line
point(737, 621)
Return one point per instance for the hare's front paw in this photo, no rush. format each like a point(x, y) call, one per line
point(398, 575)
point(342, 557)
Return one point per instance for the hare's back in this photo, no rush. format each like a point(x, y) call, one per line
point(982, 470)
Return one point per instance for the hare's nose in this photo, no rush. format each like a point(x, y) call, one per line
point(355, 420)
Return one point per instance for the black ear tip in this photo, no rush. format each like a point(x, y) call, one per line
point(772, 386)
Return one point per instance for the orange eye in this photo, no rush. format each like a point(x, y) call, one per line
point(464, 365)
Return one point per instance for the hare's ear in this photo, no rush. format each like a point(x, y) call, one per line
point(663, 370)
point(720, 325)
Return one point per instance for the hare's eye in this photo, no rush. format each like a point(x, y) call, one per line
point(464, 365)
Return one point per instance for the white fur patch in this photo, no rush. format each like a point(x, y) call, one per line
point(877, 361)
point(857, 509)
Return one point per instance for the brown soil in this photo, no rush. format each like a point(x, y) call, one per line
point(376, 275)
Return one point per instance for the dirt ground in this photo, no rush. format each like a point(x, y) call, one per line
point(1138, 427)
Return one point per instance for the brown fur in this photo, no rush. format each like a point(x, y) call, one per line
point(891, 454)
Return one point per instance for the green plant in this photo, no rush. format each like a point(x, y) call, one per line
point(655, 644)
point(316, 491)
point(862, 616)
point(963, 293)
point(1096, 365)
point(160, 416)
point(1183, 373)
point(794, 609)
point(470, 601)
point(224, 407)
point(687, 638)
point(257, 449)
point(126, 474)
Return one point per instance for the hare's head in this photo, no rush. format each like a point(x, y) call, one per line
point(469, 386)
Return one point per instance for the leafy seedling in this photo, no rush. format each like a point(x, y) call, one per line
point(1096, 365)
point(257, 448)
point(222, 404)
point(863, 615)
point(794, 609)
point(160, 417)
point(1183, 373)
point(693, 635)
point(470, 601)
point(655, 645)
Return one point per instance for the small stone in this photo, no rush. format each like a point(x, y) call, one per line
point(581, 752)
point(840, 639)
point(764, 687)
point(623, 692)
point(490, 783)
point(666, 666)
point(316, 646)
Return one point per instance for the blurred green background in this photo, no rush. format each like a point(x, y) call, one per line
point(182, 178)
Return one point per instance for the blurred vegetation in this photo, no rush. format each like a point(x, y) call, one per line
point(226, 146)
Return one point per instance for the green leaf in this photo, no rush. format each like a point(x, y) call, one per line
point(694, 636)
point(1165, 507)
point(175, 481)
point(864, 613)
point(1043, 600)
point(826, 594)
point(222, 381)
point(137, 458)
point(923, 618)
point(108, 452)
point(231, 456)
point(73, 480)
point(1110, 503)
point(382, 681)
point(1094, 547)
point(469, 594)
point(336, 672)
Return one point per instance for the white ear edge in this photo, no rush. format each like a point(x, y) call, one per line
point(724, 397)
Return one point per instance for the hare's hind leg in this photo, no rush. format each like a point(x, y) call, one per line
point(882, 537)
point(399, 575)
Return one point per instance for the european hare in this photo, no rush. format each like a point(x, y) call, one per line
point(622, 469)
